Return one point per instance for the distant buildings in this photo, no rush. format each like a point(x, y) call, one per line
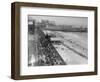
point(51, 25)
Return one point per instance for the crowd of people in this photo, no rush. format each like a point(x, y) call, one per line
point(47, 54)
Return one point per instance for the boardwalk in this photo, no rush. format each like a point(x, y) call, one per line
point(45, 53)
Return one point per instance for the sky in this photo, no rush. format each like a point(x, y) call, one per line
point(63, 20)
